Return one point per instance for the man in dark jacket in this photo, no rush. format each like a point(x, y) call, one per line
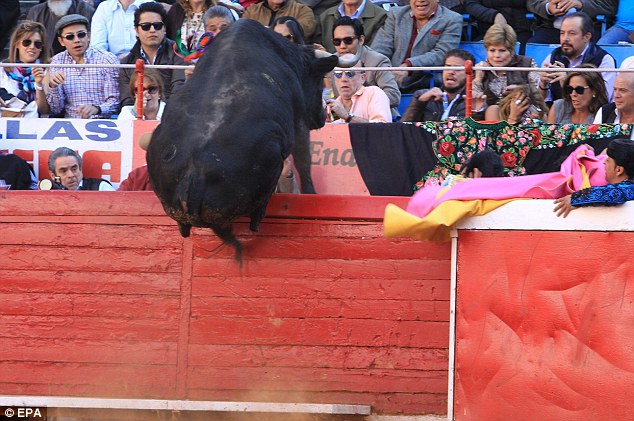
point(437, 104)
point(511, 12)
point(9, 13)
point(154, 48)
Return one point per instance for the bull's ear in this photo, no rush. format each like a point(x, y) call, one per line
point(324, 64)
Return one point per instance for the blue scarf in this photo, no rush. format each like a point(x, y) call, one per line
point(26, 83)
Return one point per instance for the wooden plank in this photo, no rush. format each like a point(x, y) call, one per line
point(275, 331)
point(90, 328)
point(322, 288)
point(85, 235)
point(89, 282)
point(320, 308)
point(86, 351)
point(318, 379)
point(88, 259)
point(323, 268)
point(317, 356)
point(103, 305)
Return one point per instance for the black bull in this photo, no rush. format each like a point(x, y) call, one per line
point(219, 150)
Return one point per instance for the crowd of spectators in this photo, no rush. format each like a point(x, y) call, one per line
point(415, 33)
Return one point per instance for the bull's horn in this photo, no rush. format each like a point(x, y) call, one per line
point(343, 62)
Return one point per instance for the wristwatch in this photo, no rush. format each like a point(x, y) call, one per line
point(349, 118)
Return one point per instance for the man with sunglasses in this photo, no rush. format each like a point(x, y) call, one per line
point(82, 92)
point(367, 13)
point(153, 47)
point(348, 37)
point(357, 103)
point(112, 26)
point(50, 12)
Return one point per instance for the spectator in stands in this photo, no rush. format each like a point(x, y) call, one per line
point(16, 173)
point(87, 92)
point(50, 11)
point(584, 93)
point(319, 6)
point(438, 104)
point(139, 178)
point(357, 103)
point(371, 17)
point(153, 97)
point(418, 35)
point(185, 24)
point(154, 48)
point(622, 109)
point(217, 18)
point(522, 102)
point(513, 13)
point(289, 28)
point(619, 173)
point(576, 48)
point(622, 28)
point(66, 164)
point(267, 11)
point(549, 15)
point(348, 37)
point(22, 87)
point(499, 42)
point(113, 26)
point(9, 14)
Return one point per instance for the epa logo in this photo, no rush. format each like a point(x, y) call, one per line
point(28, 413)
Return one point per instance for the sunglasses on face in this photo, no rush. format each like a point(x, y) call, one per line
point(346, 40)
point(150, 89)
point(80, 35)
point(349, 74)
point(289, 37)
point(147, 25)
point(578, 89)
point(27, 43)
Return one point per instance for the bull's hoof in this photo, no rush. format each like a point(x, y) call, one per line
point(185, 229)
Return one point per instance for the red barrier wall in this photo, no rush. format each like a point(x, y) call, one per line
point(544, 318)
point(102, 297)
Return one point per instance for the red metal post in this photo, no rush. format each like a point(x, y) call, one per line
point(140, 67)
point(468, 68)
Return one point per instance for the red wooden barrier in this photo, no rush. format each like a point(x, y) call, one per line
point(102, 297)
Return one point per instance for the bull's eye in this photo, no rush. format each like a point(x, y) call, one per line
point(168, 153)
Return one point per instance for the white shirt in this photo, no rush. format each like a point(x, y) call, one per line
point(103, 186)
point(112, 28)
point(128, 113)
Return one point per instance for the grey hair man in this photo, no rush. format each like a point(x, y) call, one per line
point(66, 164)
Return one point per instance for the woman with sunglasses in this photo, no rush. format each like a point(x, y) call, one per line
point(28, 45)
point(583, 94)
point(289, 28)
point(153, 101)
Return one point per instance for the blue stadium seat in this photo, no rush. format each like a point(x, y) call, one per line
point(539, 51)
point(619, 51)
point(405, 99)
point(477, 49)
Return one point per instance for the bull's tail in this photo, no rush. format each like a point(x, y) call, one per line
point(225, 233)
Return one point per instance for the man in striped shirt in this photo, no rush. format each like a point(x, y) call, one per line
point(82, 92)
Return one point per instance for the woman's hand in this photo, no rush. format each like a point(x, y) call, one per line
point(518, 107)
point(38, 74)
point(479, 74)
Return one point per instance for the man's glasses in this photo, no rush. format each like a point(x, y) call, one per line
point(349, 74)
point(147, 25)
point(80, 35)
point(346, 40)
point(578, 89)
point(27, 43)
point(150, 89)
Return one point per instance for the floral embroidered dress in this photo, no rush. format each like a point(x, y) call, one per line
point(457, 140)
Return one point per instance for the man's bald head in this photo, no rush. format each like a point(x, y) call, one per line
point(624, 93)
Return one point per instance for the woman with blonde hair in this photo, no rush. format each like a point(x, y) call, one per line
point(153, 98)
point(26, 86)
point(584, 93)
point(522, 102)
point(499, 42)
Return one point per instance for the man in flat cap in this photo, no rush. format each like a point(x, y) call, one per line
point(619, 173)
point(82, 92)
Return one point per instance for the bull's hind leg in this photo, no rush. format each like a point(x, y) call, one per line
point(301, 159)
point(225, 233)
